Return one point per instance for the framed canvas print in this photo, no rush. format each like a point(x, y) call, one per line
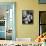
point(42, 1)
point(27, 16)
point(7, 20)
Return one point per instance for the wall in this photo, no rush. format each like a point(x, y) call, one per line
point(32, 30)
point(28, 31)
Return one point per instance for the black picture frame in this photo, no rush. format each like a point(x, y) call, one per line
point(27, 16)
point(42, 1)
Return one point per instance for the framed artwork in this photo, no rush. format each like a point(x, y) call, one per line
point(27, 16)
point(7, 20)
point(42, 1)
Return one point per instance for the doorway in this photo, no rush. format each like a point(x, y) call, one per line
point(42, 22)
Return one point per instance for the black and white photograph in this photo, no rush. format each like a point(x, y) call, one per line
point(27, 17)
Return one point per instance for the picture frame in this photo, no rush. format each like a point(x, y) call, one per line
point(27, 16)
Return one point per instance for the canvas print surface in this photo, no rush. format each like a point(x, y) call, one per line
point(27, 17)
